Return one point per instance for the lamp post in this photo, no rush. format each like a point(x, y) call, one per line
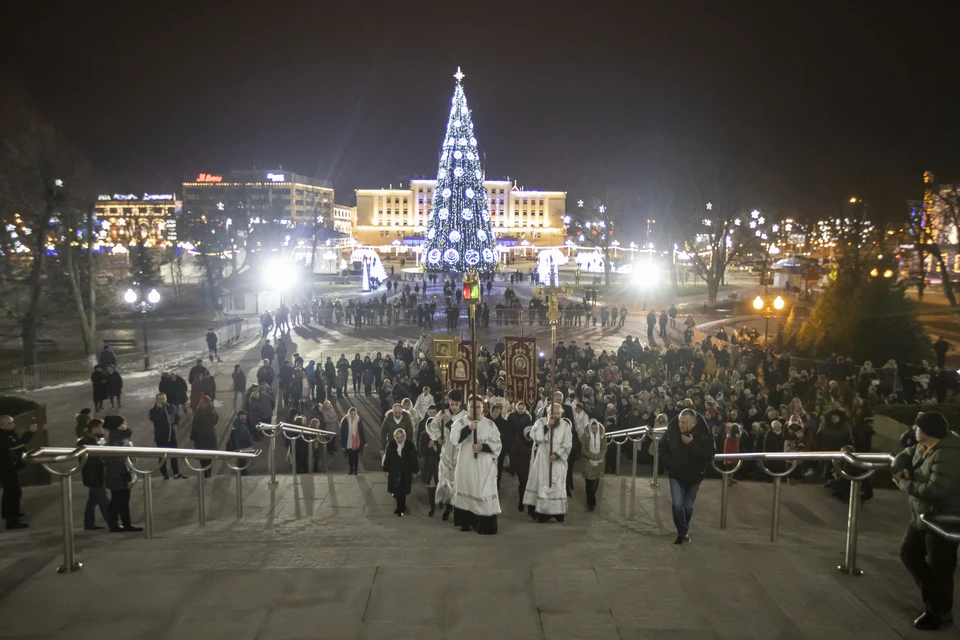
point(768, 307)
point(143, 305)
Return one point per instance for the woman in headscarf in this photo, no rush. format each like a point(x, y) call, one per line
point(399, 465)
point(352, 437)
point(594, 451)
point(431, 441)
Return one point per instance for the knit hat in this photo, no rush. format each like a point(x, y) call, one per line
point(933, 424)
point(112, 422)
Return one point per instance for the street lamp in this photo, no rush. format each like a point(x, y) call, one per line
point(646, 275)
point(768, 307)
point(143, 305)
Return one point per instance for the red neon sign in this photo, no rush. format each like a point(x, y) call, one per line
point(206, 177)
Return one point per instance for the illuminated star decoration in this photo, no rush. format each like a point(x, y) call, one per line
point(602, 209)
point(458, 75)
point(709, 206)
point(579, 203)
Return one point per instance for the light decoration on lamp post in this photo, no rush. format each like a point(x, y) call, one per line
point(768, 307)
point(143, 305)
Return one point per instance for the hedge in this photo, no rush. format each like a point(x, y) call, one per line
point(14, 406)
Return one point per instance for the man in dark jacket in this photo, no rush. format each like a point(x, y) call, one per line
point(267, 352)
point(118, 477)
point(12, 448)
point(929, 472)
point(196, 372)
point(94, 478)
point(165, 418)
point(685, 448)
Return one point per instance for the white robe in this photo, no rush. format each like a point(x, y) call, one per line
point(547, 499)
point(448, 463)
point(476, 478)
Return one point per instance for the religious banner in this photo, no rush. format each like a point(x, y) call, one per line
point(520, 359)
point(458, 373)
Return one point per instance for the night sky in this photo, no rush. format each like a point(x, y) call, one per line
point(832, 98)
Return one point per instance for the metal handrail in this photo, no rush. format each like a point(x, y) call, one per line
point(937, 522)
point(293, 432)
point(47, 456)
point(643, 431)
point(41, 455)
point(870, 462)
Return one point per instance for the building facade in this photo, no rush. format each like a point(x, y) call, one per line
point(259, 197)
point(124, 218)
point(344, 219)
point(519, 217)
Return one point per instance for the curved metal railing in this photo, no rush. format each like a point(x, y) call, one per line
point(944, 525)
point(869, 462)
point(47, 456)
point(293, 432)
point(635, 435)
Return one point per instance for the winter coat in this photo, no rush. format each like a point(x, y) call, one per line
point(180, 395)
point(592, 472)
point(345, 433)
point(400, 468)
point(389, 425)
point(81, 426)
point(831, 436)
point(430, 469)
point(164, 419)
point(267, 352)
point(685, 463)
point(239, 380)
point(116, 475)
point(114, 383)
point(100, 389)
point(204, 429)
point(934, 482)
point(241, 435)
point(93, 472)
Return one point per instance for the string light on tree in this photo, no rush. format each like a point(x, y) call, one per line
point(460, 235)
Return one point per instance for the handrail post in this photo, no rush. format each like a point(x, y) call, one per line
point(724, 487)
point(239, 475)
point(618, 457)
point(202, 499)
point(634, 469)
point(655, 482)
point(775, 517)
point(70, 563)
point(147, 506)
point(272, 461)
point(310, 457)
point(849, 565)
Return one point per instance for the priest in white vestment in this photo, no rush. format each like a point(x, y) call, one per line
point(448, 454)
point(546, 488)
point(475, 500)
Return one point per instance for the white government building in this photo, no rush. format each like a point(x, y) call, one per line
point(387, 218)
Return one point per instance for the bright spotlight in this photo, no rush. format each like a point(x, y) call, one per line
point(130, 296)
point(646, 273)
point(153, 297)
point(778, 303)
point(888, 273)
point(758, 303)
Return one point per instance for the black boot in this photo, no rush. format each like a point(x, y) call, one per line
point(14, 523)
point(431, 496)
point(446, 512)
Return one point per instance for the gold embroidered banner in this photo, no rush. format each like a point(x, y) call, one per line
point(520, 359)
point(458, 373)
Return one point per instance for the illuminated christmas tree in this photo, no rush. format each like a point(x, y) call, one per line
point(459, 235)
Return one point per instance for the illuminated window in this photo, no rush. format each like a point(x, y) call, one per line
point(956, 263)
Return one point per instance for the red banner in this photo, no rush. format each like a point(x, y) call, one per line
point(520, 360)
point(458, 373)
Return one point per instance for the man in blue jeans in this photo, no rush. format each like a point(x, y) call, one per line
point(93, 476)
point(685, 448)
